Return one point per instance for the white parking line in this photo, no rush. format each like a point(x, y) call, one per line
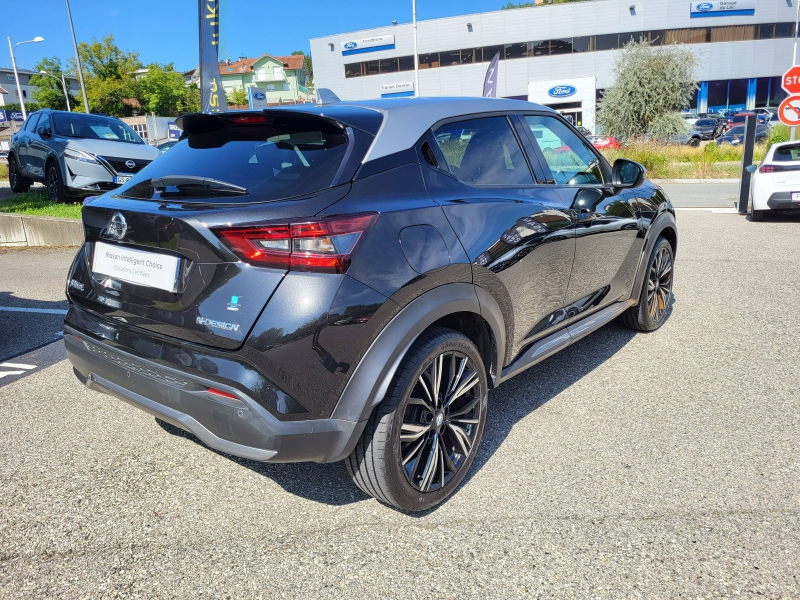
point(47, 311)
point(5, 374)
point(17, 366)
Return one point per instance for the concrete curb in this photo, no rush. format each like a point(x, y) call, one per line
point(27, 230)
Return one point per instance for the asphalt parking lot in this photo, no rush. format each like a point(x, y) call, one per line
point(658, 465)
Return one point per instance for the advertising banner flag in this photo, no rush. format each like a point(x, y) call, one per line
point(212, 94)
point(490, 83)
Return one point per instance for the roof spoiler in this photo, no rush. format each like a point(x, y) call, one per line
point(326, 96)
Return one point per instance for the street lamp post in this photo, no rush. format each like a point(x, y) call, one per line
point(77, 59)
point(16, 75)
point(63, 85)
point(416, 56)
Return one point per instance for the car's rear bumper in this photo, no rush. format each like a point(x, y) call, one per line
point(239, 425)
point(782, 201)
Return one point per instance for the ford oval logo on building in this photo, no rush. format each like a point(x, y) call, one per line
point(350, 45)
point(561, 91)
point(704, 7)
point(259, 95)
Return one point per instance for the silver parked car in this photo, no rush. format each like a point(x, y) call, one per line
point(75, 154)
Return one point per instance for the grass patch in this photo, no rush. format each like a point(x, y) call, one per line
point(35, 202)
point(3, 171)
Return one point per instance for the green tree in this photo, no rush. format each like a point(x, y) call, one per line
point(309, 67)
point(652, 84)
point(108, 75)
point(50, 93)
point(511, 5)
point(237, 96)
point(162, 90)
point(191, 101)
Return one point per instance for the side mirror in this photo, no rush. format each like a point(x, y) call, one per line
point(43, 132)
point(751, 168)
point(627, 173)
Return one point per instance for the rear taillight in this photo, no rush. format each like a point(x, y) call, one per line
point(323, 245)
point(767, 169)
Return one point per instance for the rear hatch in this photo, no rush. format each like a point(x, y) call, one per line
point(785, 163)
point(154, 255)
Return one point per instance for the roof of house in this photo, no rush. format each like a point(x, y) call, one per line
point(2, 91)
point(292, 63)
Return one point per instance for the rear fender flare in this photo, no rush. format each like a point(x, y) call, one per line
point(371, 378)
point(663, 221)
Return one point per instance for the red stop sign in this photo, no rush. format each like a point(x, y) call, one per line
point(791, 80)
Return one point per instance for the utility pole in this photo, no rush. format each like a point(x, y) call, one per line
point(77, 59)
point(794, 52)
point(416, 55)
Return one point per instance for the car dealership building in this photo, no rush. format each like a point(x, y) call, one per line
point(562, 55)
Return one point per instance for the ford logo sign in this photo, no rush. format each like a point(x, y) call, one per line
point(259, 95)
point(561, 91)
point(350, 45)
point(704, 6)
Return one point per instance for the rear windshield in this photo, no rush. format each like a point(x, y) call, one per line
point(736, 130)
point(705, 123)
point(270, 162)
point(787, 153)
point(93, 127)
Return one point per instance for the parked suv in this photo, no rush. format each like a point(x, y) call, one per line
point(75, 154)
point(348, 281)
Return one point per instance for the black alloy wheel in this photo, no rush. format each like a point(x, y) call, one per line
point(440, 421)
point(17, 182)
point(54, 190)
point(421, 440)
point(653, 307)
point(659, 284)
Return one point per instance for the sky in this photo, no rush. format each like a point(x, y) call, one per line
point(165, 31)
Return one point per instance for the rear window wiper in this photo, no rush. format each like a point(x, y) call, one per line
point(194, 184)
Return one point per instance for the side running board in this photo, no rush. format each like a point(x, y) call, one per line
point(562, 338)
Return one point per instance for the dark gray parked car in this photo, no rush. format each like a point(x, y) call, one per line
point(75, 154)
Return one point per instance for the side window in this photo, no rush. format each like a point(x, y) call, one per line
point(43, 122)
point(483, 152)
point(30, 124)
point(569, 158)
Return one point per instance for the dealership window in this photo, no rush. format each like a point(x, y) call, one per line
point(697, 35)
point(389, 65)
point(468, 56)
point(609, 41)
point(562, 46)
point(738, 33)
point(450, 58)
point(737, 93)
point(784, 30)
point(583, 44)
point(762, 92)
point(540, 48)
point(776, 93)
point(490, 51)
point(717, 94)
point(519, 50)
point(765, 31)
point(429, 61)
point(693, 100)
point(631, 36)
point(656, 36)
point(372, 67)
point(354, 70)
point(406, 63)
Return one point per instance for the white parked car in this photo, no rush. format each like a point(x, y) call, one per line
point(775, 185)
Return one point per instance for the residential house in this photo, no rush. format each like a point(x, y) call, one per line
point(10, 95)
point(284, 78)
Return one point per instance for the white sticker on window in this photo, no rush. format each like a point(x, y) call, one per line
point(104, 132)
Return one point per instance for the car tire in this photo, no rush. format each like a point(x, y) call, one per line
point(694, 142)
point(418, 445)
point(18, 183)
point(757, 215)
point(55, 184)
point(651, 311)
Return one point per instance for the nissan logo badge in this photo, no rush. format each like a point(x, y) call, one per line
point(130, 164)
point(117, 227)
point(561, 91)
